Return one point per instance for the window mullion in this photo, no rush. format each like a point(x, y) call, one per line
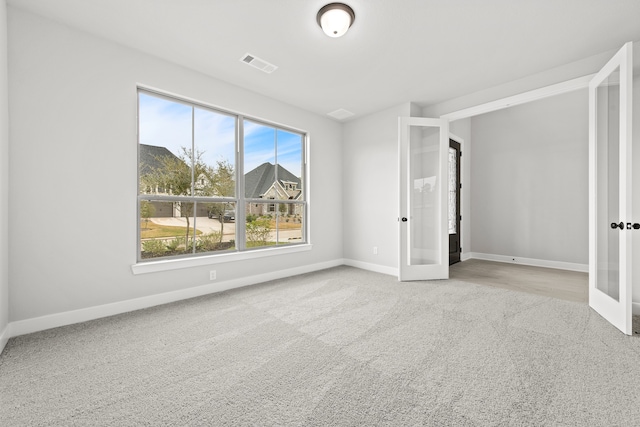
point(241, 210)
point(194, 209)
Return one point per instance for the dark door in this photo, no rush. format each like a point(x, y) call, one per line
point(455, 187)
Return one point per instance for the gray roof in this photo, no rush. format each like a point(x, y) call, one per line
point(149, 158)
point(258, 181)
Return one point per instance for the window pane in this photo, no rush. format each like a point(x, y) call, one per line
point(289, 158)
point(215, 142)
point(273, 163)
point(164, 228)
point(165, 146)
point(216, 224)
point(453, 190)
point(259, 159)
point(271, 224)
point(290, 223)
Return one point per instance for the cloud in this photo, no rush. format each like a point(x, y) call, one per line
point(168, 124)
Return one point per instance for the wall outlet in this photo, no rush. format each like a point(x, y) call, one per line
point(375, 250)
point(212, 275)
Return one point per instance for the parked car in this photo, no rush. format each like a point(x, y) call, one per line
point(228, 216)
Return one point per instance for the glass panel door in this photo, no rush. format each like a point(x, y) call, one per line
point(608, 183)
point(610, 101)
point(423, 199)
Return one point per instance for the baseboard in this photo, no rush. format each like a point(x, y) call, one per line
point(635, 308)
point(465, 256)
point(391, 271)
point(4, 337)
point(27, 326)
point(583, 268)
point(22, 327)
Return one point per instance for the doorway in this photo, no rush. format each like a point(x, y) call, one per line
point(455, 188)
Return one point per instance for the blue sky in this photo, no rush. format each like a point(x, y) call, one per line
point(168, 124)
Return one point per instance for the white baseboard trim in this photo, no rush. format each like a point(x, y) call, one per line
point(583, 268)
point(4, 337)
point(27, 326)
point(465, 256)
point(391, 271)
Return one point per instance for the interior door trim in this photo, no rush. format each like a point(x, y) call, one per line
point(521, 98)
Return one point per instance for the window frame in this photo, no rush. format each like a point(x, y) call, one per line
point(240, 200)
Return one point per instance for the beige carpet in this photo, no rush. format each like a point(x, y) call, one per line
point(340, 347)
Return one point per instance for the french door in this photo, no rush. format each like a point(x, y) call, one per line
point(610, 161)
point(423, 212)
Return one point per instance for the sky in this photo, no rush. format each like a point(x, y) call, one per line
point(167, 124)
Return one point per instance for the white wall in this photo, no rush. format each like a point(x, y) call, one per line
point(371, 203)
point(4, 180)
point(72, 200)
point(371, 188)
point(529, 180)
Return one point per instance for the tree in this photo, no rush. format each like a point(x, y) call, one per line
point(176, 175)
point(258, 232)
point(146, 211)
point(222, 184)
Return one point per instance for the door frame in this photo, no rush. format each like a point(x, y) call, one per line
point(521, 98)
point(510, 101)
point(518, 99)
point(496, 105)
point(462, 206)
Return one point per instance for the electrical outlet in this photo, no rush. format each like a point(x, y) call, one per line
point(212, 275)
point(375, 250)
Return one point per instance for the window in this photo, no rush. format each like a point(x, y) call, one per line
point(199, 195)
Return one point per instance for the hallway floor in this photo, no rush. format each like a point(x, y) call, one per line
point(562, 284)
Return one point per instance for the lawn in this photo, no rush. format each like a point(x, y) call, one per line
point(282, 225)
point(150, 230)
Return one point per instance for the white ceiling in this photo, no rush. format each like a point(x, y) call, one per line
point(425, 51)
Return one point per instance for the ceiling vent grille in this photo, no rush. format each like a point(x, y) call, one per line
point(341, 114)
point(258, 63)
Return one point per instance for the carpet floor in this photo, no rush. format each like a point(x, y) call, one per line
point(338, 347)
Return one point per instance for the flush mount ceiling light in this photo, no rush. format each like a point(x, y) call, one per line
point(335, 19)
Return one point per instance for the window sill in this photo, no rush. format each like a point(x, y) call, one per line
point(175, 264)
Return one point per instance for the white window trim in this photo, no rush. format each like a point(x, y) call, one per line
point(197, 261)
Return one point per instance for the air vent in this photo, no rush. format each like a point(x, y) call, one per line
point(340, 114)
point(258, 63)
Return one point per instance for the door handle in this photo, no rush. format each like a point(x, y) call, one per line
point(404, 219)
point(635, 226)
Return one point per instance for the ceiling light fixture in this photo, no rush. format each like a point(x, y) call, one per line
point(335, 19)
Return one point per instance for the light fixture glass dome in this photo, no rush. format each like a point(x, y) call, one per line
point(335, 19)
